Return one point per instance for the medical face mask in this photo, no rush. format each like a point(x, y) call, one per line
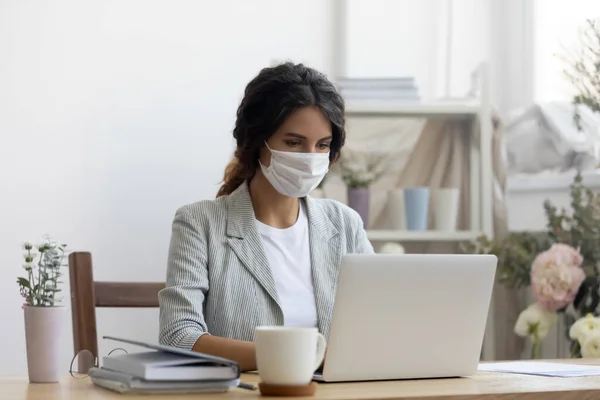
point(295, 174)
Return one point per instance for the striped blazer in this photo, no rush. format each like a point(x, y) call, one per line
point(218, 276)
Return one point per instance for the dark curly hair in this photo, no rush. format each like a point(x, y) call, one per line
point(271, 97)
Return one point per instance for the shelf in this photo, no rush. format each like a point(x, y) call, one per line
point(447, 109)
point(421, 236)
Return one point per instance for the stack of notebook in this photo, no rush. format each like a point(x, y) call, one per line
point(394, 90)
point(165, 370)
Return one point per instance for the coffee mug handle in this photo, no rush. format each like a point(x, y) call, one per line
point(321, 346)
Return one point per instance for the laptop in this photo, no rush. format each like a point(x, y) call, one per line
point(408, 316)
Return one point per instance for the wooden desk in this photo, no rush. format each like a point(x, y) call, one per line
point(484, 385)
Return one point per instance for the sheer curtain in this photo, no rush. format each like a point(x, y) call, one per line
point(556, 31)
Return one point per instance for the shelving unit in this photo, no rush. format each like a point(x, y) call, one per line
point(445, 110)
point(476, 110)
point(477, 113)
point(421, 236)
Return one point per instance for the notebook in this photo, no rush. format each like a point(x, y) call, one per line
point(165, 370)
point(122, 383)
point(175, 350)
point(164, 366)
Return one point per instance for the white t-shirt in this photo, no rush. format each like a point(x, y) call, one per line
point(288, 253)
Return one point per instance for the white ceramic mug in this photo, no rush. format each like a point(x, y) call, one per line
point(288, 356)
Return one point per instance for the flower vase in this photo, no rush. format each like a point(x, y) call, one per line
point(446, 203)
point(43, 338)
point(416, 206)
point(358, 200)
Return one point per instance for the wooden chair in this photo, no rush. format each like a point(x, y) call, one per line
point(86, 295)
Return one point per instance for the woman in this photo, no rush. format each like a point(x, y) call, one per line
point(264, 252)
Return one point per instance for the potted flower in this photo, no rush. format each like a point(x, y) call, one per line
point(559, 266)
point(44, 316)
point(359, 170)
point(556, 276)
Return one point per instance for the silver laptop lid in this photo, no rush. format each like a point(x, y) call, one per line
point(403, 316)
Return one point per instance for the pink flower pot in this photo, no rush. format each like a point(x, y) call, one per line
point(43, 331)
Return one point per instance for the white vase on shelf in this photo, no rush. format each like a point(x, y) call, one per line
point(396, 209)
point(416, 207)
point(445, 208)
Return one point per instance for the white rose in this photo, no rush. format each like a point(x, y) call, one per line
point(591, 345)
point(583, 327)
point(392, 248)
point(534, 320)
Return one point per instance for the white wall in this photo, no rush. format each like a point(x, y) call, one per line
point(388, 38)
point(115, 113)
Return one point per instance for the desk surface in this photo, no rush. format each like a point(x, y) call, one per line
point(484, 385)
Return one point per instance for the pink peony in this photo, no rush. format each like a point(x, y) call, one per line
point(556, 276)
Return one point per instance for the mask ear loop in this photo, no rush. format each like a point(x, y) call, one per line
point(271, 161)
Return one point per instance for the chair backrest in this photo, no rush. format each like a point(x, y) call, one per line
point(86, 295)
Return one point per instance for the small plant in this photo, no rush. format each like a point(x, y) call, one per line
point(583, 69)
point(561, 265)
point(359, 169)
point(40, 287)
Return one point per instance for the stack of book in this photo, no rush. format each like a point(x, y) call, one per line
point(165, 370)
point(360, 90)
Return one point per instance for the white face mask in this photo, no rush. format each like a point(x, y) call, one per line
point(295, 174)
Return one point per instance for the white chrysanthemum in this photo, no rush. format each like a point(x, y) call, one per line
point(583, 327)
point(591, 345)
point(535, 321)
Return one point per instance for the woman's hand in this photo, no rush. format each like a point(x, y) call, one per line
point(244, 353)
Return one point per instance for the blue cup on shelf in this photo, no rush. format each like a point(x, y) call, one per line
point(416, 207)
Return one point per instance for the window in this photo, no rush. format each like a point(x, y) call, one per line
point(556, 30)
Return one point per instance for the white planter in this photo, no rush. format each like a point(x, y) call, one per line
point(396, 209)
point(43, 332)
point(445, 208)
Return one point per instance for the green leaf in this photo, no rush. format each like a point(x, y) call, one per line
point(23, 282)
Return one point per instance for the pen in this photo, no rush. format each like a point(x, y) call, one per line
point(246, 386)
